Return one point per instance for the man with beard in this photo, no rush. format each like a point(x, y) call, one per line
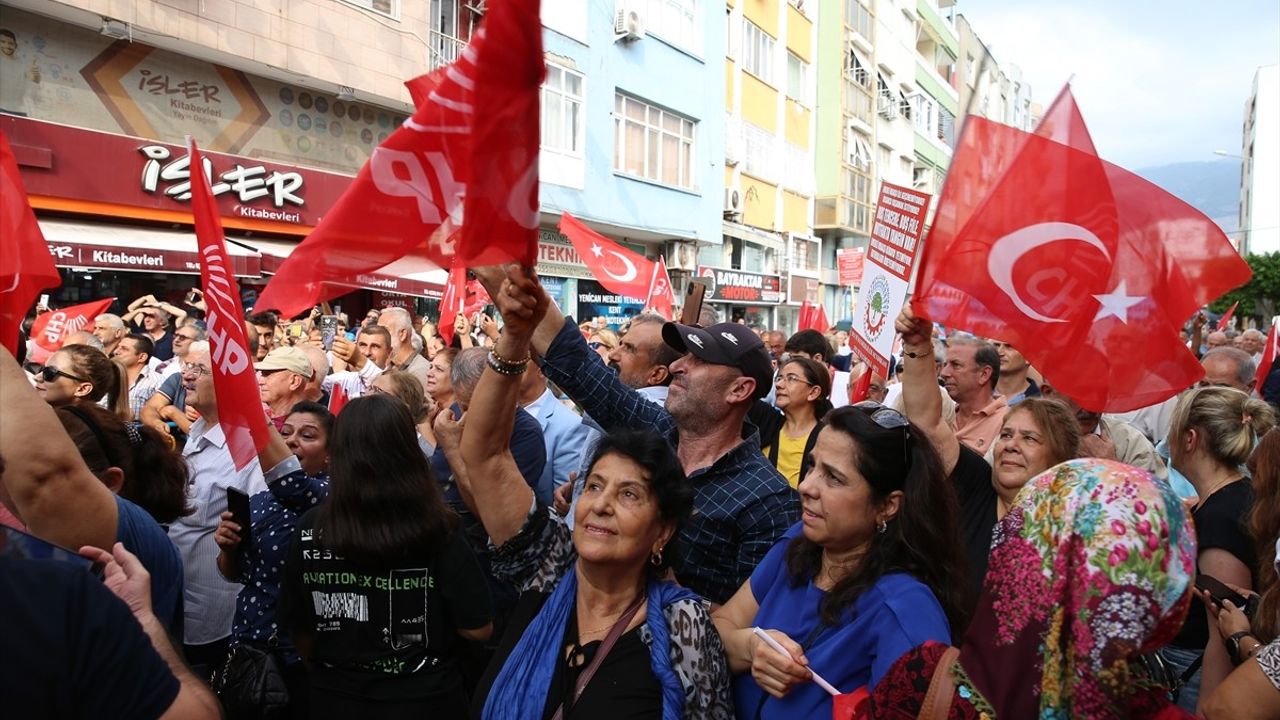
point(403, 357)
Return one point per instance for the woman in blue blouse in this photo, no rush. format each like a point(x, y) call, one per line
point(295, 464)
point(873, 568)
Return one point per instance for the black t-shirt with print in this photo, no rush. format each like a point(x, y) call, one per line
point(383, 633)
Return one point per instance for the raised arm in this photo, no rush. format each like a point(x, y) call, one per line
point(920, 395)
point(492, 278)
point(498, 490)
point(46, 483)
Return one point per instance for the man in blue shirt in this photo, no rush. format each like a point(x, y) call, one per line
point(742, 505)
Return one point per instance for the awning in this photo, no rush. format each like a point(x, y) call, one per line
point(401, 278)
point(102, 246)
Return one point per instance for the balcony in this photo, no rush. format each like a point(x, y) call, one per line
point(442, 49)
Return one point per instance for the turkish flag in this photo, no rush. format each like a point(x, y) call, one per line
point(813, 316)
point(26, 267)
point(1083, 266)
point(235, 382)
point(862, 388)
point(1225, 321)
point(1269, 355)
point(50, 329)
point(338, 399)
point(471, 144)
point(451, 302)
point(661, 298)
point(617, 268)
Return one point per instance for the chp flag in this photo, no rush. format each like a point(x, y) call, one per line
point(890, 259)
point(26, 267)
point(50, 329)
point(234, 381)
point(662, 299)
point(1083, 266)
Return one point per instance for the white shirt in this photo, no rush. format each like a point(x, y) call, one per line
point(353, 382)
point(209, 599)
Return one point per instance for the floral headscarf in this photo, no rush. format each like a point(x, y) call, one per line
point(1092, 567)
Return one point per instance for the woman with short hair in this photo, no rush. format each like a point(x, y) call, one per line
point(802, 392)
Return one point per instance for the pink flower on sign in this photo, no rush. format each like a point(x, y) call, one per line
point(1117, 527)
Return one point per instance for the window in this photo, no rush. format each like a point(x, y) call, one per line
point(390, 8)
point(858, 17)
point(797, 172)
point(760, 152)
point(804, 254)
point(797, 79)
point(652, 143)
point(946, 127)
point(675, 21)
point(884, 156)
point(562, 100)
point(757, 51)
point(731, 37)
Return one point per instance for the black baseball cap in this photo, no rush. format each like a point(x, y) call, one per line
point(726, 343)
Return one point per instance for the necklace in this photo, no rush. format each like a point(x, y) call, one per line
point(612, 620)
point(1219, 485)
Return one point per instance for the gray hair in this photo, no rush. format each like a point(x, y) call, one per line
point(465, 372)
point(401, 319)
point(199, 346)
point(110, 319)
point(84, 337)
point(416, 339)
point(319, 360)
point(1253, 334)
point(984, 354)
point(1245, 367)
point(708, 316)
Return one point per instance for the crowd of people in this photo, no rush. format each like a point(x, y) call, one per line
point(547, 519)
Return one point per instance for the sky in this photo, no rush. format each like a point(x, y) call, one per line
point(1157, 82)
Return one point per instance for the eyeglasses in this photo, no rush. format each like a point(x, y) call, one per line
point(792, 378)
point(888, 418)
point(195, 369)
point(49, 374)
point(183, 338)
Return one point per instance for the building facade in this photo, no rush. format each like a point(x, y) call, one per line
point(1260, 165)
point(768, 262)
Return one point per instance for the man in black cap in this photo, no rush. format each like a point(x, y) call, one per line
point(742, 505)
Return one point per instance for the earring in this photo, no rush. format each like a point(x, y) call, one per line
point(881, 527)
point(656, 558)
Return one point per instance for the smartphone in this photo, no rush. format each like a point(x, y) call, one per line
point(191, 298)
point(328, 330)
point(1220, 592)
point(44, 300)
point(238, 504)
point(19, 544)
point(692, 303)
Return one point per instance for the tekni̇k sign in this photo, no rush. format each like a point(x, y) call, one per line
point(254, 186)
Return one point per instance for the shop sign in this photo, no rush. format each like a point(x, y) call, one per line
point(594, 300)
point(246, 184)
point(741, 286)
point(77, 255)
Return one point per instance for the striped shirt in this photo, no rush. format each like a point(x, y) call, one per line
point(141, 390)
point(742, 505)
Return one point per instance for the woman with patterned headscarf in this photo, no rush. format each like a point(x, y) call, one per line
point(1091, 568)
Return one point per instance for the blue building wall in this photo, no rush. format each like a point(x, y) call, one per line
point(660, 74)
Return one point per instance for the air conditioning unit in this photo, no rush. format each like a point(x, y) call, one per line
point(628, 23)
point(732, 202)
point(887, 106)
point(682, 256)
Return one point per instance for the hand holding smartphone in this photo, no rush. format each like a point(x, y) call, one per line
point(328, 330)
point(692, 303)
point(238, 504)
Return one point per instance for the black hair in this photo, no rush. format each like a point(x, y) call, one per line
point(8, 33)
point(664, 474)
point(265, 319)
point(142, 343)
point(320, 412)
point(817, 375)
point(812, 342)
point(155, 475)
point(384, 505)
point(922, 540)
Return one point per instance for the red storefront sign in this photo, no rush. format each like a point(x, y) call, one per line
point(72, 169)
point(161, 260)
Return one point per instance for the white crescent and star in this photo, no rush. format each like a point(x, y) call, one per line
point(631, 272)
point(1006, 252)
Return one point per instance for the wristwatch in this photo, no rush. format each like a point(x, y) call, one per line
point(1233, 645)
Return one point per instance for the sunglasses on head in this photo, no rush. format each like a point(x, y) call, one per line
point(49, 374)
point(888, 418)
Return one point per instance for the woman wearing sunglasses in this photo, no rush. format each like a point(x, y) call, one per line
point(79, 373)
point(873, 567)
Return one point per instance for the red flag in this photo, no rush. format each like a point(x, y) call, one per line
point(617, 268)
point(661, 298)
point(338, 398)
point(813, 316)
point(862, 388)
point(1225, 321)
point(502, 187)
point(1080, 264)
point(1269, 355)
point(451, 302)
point(806, 312)
point(50, 329)
point(234, 381)
point(26, 267)
point(472, 142)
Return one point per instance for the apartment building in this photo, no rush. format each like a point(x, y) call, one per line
point(1260, 165)
point(768, 263)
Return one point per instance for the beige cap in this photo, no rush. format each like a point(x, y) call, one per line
point(287, 358)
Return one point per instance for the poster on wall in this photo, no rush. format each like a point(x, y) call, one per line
point(849, 262)
point(891, 255)
point(53, 71)
point(595, 301)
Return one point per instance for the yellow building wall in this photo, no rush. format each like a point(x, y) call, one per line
point(730, 70)
point(759, 103)
point(759, 203)
point(764, 13)
point(795, 213)
point(798, 34)
point(797, 124)
point(730, 3)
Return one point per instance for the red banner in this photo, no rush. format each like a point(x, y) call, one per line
point(234, 381)
point(1269, 355)
point(26, 267)
point(52, 328)
point(451, 302)
point(661, 298)
point(849, 262)
point(1224, 322)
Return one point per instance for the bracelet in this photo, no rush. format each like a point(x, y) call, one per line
point(505, 367)
point(914, 355)
point(522, 361)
